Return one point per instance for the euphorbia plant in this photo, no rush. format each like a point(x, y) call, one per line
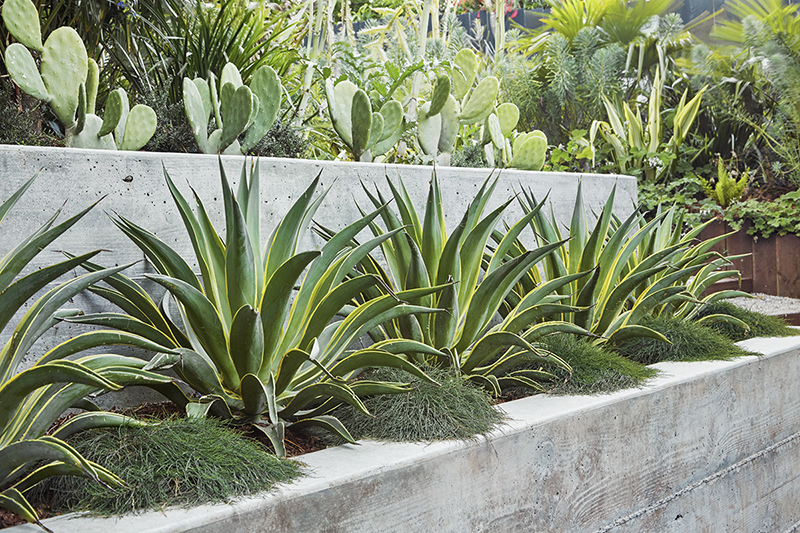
point(240, 335)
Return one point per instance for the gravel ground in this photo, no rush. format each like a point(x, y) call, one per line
point(769, 305)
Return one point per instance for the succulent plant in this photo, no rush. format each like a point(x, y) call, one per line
point(237, 108)
point(68, 81)
point(365, 133)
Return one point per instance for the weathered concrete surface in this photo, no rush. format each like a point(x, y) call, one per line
point(132, 184)
point(711, 447)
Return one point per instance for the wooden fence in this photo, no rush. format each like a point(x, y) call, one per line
point(773, 266)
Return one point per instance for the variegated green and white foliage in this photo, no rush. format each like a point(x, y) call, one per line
point(32, 399)
point(474, 281)
point(253, 332)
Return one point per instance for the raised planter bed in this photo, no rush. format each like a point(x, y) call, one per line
point(711, 447)
point(773, 266)
point(132, 185)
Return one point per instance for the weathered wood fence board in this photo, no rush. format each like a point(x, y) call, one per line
point(772, 266)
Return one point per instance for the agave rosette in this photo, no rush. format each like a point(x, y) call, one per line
point(31, 400)
point(474, 282)
point(253, 333)
point(639, 267)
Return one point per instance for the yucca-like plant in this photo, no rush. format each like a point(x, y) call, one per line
point(256, 348)
point(473, 283)
point(31, 400)
point(639, 267)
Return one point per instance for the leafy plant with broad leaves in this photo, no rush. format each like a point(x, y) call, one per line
point(639, 268)
point(31, 400)
point(256, 348)
point(474, 280)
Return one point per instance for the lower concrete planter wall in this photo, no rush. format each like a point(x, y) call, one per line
point(132, 184)
point(712, 447)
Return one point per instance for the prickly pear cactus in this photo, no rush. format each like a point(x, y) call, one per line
point(237, 108)
point(68, 80)
point(481, 102)
point(464, 75)
point(529, 151)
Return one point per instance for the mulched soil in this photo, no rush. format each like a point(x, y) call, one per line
point(9, 519)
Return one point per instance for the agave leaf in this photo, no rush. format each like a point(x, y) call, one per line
point(332, 304)
point(96, 339)
point(305, 396)
point(633, 331)
point(166, 260)
point(14, 501)
point(247, 341)
point(206, 323)
point(282, 244)
point(275, 302)
point(86, 421)
point(369, 358)
point(328, 423)
point(12, 297)
point(124, 323)
point(720, 317)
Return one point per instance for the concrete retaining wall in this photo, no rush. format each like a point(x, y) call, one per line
point(711, 447)
point(132, 184)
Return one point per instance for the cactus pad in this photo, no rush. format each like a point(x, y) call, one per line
point(92, 84)
point(64, 69)
point(464, 76)
point(428, 130)
point(22, 21)
point(440, 94)
point(235, 107)
point(23, 70)
point(508, 115)
point(266, 87)
point(481, 101)
point(113, 112)
point(361, 120)
point(139, 128)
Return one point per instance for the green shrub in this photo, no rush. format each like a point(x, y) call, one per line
point(183, 461)
point(595, 370)
point(780, 216)
point(761, 325)
point(457, 409)
point(690, 342)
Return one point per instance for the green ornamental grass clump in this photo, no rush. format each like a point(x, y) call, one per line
point(457, 409)
point(595, 370)
point(180, 461)
point(761, 325)
point(690, 342)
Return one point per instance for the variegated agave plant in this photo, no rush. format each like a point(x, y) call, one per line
point(481, 338)
point(31, 400)
point(253, 332)
point(639, 268)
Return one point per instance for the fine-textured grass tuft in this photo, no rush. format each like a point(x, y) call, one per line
point(761, 325)
point(594, 369)
point(180, 461)
point(690, 342)
point(454, 410)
